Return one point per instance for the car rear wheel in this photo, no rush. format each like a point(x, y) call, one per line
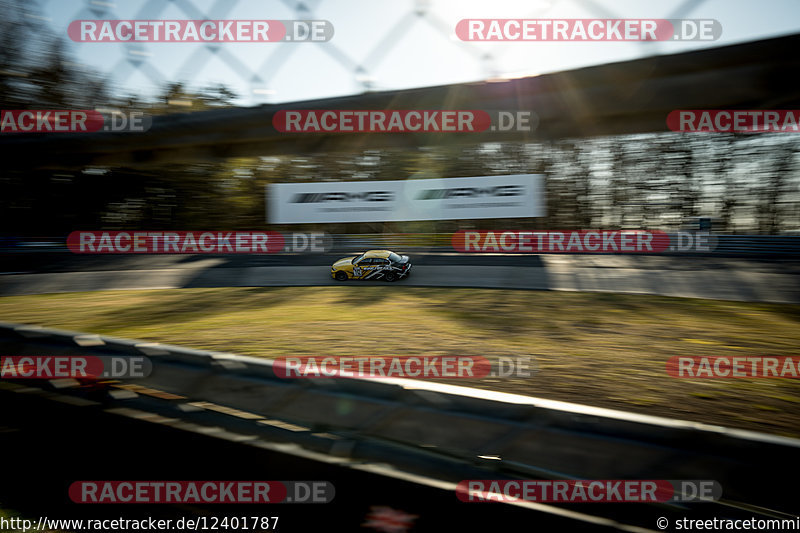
point(341, 276)
point(390, 276)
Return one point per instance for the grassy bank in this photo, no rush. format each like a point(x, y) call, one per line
point(600, 349)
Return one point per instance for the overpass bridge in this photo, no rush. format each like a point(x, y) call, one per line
point(619, 98)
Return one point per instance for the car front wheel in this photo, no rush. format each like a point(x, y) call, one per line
point(341, 276)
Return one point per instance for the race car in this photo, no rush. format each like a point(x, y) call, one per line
point(372, 264)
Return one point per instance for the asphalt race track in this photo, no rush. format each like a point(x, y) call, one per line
point(740, 279)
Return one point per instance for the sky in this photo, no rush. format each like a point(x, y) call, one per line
point(383, 44)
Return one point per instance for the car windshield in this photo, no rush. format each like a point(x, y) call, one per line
point(394, 258)
point(357, 259)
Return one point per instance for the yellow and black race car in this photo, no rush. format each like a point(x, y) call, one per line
point(373, 264)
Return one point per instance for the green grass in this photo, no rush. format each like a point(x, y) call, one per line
point(601, 349)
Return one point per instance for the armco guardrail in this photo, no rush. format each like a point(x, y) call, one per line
point(140, 437)
point(758, 244)
point(725, 244)
point(516, 435)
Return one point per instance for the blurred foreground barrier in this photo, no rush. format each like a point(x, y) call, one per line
point(512, 435)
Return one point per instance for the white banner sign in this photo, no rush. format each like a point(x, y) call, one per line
point(513, 196)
